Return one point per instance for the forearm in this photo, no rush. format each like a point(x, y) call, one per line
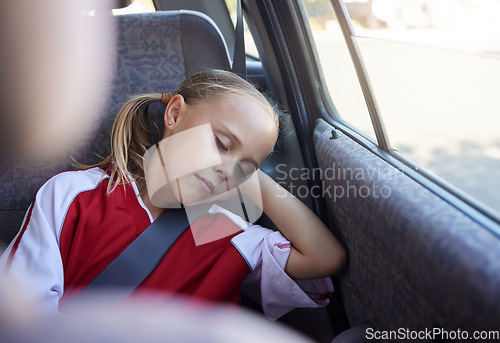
point(316, 252)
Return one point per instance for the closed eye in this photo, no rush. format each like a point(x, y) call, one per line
point(220, 144)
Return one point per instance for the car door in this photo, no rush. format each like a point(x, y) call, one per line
point(423, 254)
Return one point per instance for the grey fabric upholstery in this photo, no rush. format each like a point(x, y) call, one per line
point(201, 48)
point(415, 261)
point(151, 56)
point(356, 334)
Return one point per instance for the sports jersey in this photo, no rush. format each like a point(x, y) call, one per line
point(74, 229)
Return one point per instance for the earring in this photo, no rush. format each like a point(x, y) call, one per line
point(170, 123)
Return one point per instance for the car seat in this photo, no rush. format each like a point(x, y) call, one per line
point(155, 52)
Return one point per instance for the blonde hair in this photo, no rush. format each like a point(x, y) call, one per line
point(131, 136)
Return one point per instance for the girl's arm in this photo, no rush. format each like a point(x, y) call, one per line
point(315, 252)
point(32, 262)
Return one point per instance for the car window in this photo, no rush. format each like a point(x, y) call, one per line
point(434, 68)
point(338, 70)
point(138, 6)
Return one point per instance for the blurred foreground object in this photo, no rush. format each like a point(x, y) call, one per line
point(55, 67)
point(148, 320)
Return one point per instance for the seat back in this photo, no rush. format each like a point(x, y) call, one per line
point(155, 52)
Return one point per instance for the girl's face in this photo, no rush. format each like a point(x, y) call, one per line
point(244, 134)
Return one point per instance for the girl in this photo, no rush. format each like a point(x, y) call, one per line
point(80, 221)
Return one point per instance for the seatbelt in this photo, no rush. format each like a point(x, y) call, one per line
point(134, 264)
point(239, 56)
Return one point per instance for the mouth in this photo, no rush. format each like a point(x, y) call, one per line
point(207, 185)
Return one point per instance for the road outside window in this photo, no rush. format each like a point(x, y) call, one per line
point(434, 68)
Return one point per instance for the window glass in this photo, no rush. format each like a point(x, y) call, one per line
point(434, 67)
point(338, 70)
point(138, 6)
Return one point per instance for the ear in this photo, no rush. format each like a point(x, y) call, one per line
point(174, 110)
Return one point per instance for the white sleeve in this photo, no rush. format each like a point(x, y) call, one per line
point(32, 261)
point(268, 283)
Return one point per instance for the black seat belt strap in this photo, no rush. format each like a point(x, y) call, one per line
point(129, 269)
point(239, 57)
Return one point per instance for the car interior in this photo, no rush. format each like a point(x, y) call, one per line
point(417, 259)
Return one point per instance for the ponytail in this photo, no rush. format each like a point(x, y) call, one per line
point(130, 139)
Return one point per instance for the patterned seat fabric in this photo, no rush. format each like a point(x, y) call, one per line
point(155, 52)
point(415, 261)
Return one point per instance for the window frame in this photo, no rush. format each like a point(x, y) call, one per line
point(325, 109)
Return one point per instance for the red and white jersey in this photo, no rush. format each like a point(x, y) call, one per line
point(74, 229)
